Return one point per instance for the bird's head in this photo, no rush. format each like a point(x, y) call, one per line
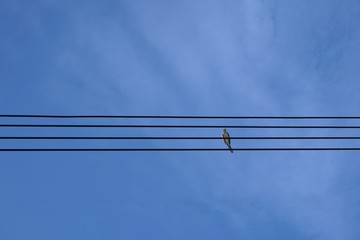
point(224, 130)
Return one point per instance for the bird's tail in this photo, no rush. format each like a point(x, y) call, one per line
point(231, 150)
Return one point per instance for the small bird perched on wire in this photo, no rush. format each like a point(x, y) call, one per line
point(226, 137)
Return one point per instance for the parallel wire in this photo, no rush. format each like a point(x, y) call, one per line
point(167, 149)
point(163, 126)
point(172, 138)
point(174, 117)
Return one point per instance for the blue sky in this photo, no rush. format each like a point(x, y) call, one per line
point(248, 57)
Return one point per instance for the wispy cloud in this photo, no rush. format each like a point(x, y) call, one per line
point(246, 57)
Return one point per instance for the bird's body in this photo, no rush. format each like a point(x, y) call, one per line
point(226, 137)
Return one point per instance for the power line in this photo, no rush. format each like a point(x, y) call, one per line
point(162, 126)
point(166, 149)
point(174, 116)
point(170, 138)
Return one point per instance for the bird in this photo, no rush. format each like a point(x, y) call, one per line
point(226, 137)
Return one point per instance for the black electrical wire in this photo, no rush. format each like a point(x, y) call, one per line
point(174, 116)
point(169, 138)
point(167, 149)
point(162, 126)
